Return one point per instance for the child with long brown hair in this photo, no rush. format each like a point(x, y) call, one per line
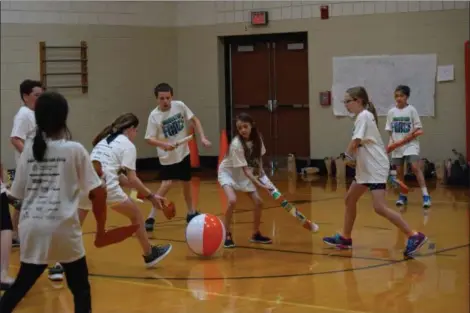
point(372, 170)
point(238, 171)
point(50, 173)
point(114, 151)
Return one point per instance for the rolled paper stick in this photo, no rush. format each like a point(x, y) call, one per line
point(405, 140)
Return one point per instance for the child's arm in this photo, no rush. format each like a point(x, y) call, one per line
point(151, 136)
point(416, 120)
point(360, 127)
point(249, 173)
point(388, 125)
point(198, 126)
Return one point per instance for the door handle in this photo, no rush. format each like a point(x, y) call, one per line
point(270, 105)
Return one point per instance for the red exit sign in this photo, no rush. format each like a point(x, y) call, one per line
point(259, 18)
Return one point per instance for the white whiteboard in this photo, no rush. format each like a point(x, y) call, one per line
point(380, 75)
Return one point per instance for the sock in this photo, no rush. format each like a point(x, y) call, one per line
point(425, 191)
point(412, 233)
point(152, 213)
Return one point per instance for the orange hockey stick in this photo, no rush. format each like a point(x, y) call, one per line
point(98, 198)
point(405, 140)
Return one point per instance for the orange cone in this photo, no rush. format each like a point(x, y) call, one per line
point(223, 146)
point(193, 150)
point(223, 149)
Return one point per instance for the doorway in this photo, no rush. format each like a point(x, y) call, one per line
point(267, 77)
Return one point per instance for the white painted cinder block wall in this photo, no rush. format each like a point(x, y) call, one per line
point(192, 13)
point(149, 33)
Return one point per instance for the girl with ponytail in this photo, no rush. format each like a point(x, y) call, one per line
point(372, 169)
point(50, 173)
point(237, 172)
point(114, 152)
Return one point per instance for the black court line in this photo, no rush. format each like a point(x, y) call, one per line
point(368, 267)
point(290, 251)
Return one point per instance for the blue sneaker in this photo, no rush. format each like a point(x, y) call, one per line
point(402, 200)
point(338, 241)
point(414, 243)
point(426, 202)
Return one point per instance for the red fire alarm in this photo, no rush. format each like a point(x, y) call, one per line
point(324, 12)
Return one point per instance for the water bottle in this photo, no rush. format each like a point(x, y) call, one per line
point(291, 166)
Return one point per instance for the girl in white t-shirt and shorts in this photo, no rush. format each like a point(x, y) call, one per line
point(237, 172)
point(50, 173)
point(372, 170)
point(402, 120)
point(114, 150)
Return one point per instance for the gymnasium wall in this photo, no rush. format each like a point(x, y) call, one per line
point(130, 50)
point(133, 45)
point(355, 28)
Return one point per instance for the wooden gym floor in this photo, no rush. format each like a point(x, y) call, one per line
point(294, 275)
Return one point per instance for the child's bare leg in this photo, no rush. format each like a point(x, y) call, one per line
point(395, 218)
point(188, 197)
point(344, 240)
point(231, 200)
point(162, 191)
point(257, 212)
point(354, 193)
point(415, 239)
point(257, 237)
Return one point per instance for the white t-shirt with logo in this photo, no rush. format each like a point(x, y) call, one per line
point(24, 126)
point(402, 122)
point(120, 153)
point(170, 126)
point(372, 163)
point(49, 225)
point(231, 168)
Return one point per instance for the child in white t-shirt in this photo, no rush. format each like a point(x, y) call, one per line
point(24, 127)
point(114, 150)
point(372, 169)
point(168, 123)
point(51, 172)
point(402, 120)
point(237, 172)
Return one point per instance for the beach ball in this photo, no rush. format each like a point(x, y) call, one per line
point(205, 234)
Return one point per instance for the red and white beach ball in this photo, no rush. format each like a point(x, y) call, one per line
point(205, 234)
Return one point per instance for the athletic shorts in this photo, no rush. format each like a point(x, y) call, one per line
point(5, 218)
point(408, 158)
point(178, 171)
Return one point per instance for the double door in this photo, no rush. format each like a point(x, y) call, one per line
point(269, 81)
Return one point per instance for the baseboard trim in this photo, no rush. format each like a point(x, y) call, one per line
point(153, 164)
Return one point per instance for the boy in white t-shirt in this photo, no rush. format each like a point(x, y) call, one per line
point(24, 127)
point(167, 123)
point(51, 173)
point(402, 120)
point(372, 169)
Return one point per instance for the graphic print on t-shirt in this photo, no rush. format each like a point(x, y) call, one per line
point(401, 124)
point(173, 125)
point(46, 186)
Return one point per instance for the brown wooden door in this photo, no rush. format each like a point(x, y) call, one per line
point(269, 81)
point(250, 67)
